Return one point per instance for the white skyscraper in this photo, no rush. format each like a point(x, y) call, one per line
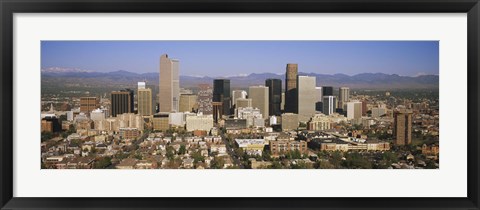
point(169, 87)
point(306, 97)
point(354, 110)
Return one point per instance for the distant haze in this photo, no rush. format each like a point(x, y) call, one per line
point(234, 58)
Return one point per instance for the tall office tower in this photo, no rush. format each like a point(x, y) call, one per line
point(221, 93)
point(243, 103)
point(88, 104)
point(354, 110)
point(364, 108)
point(343, 96)
point(169, 86)
point(259, 96)
point(329, 104)
point(144, 100)
point(282, 105)
point(204, 100)
point(291, 88)
point(274, 96)
point(306, 97)
point(217, 111)
point(318, 98)
point(327, 91)
point(236, 94)
point(188, 102)
point(402, 128)
point(121, 102)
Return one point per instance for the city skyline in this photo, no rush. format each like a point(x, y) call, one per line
point(237, 58)
point(215, 125)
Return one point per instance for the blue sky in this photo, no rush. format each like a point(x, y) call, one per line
point(226, 58)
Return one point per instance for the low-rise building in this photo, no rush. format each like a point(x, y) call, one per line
point(282, 146)
point(251, 146)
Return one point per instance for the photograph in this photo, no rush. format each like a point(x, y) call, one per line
point(239, 105)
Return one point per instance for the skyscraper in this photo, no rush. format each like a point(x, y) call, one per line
point(354, 110)
point(344, 96)
point(259, 96)
point(329, 104)
point(169, 86)
point(327, 91)
point(122, 102)
point(204, 99)
point(221, 93)
point(319, 98)
point(88, 104)
point(188, 102)
point(291, 88)
point(236, 94)
point(144, 100)
point(274, 96)
point(217, 110)
point(402, 128)
point(306, 97)
point(243, 103)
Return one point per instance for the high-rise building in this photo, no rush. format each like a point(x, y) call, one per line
point(291, 88)
point(259, 96)
point(274, 96)
point(282, 105)
point(217, 110)
point(160, 121)
point(354, 110)
point(306, 100)
point(343, 96)
point(289, 121)
point(318, 98)
point(236, 94)
point(88, 104)
point(188, 102)
point(329, 104)
point(121, 102)
point(144, 100)
point(364, 108)
point(402, 128)
point(204, 100)
point(221, 93)
point(327, 91)
point(243, 103)
point(169, 86)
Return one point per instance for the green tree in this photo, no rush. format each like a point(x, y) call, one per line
point(336, 159)
point(197, 157)
point(182, 150)
point(170, 152)
point(218, 162)
point(356, 160)
point(325, 165)
point(102, 163)
point(46, 136)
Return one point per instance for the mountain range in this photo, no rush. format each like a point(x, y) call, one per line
point(121, 77)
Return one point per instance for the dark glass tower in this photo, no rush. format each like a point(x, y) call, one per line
point(274, 96)
point(327, 91)
point(221, 93)
point(122, 102)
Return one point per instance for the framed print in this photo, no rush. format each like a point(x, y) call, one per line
point(239, 105)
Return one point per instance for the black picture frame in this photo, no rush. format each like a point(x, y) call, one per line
point(10, 7)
